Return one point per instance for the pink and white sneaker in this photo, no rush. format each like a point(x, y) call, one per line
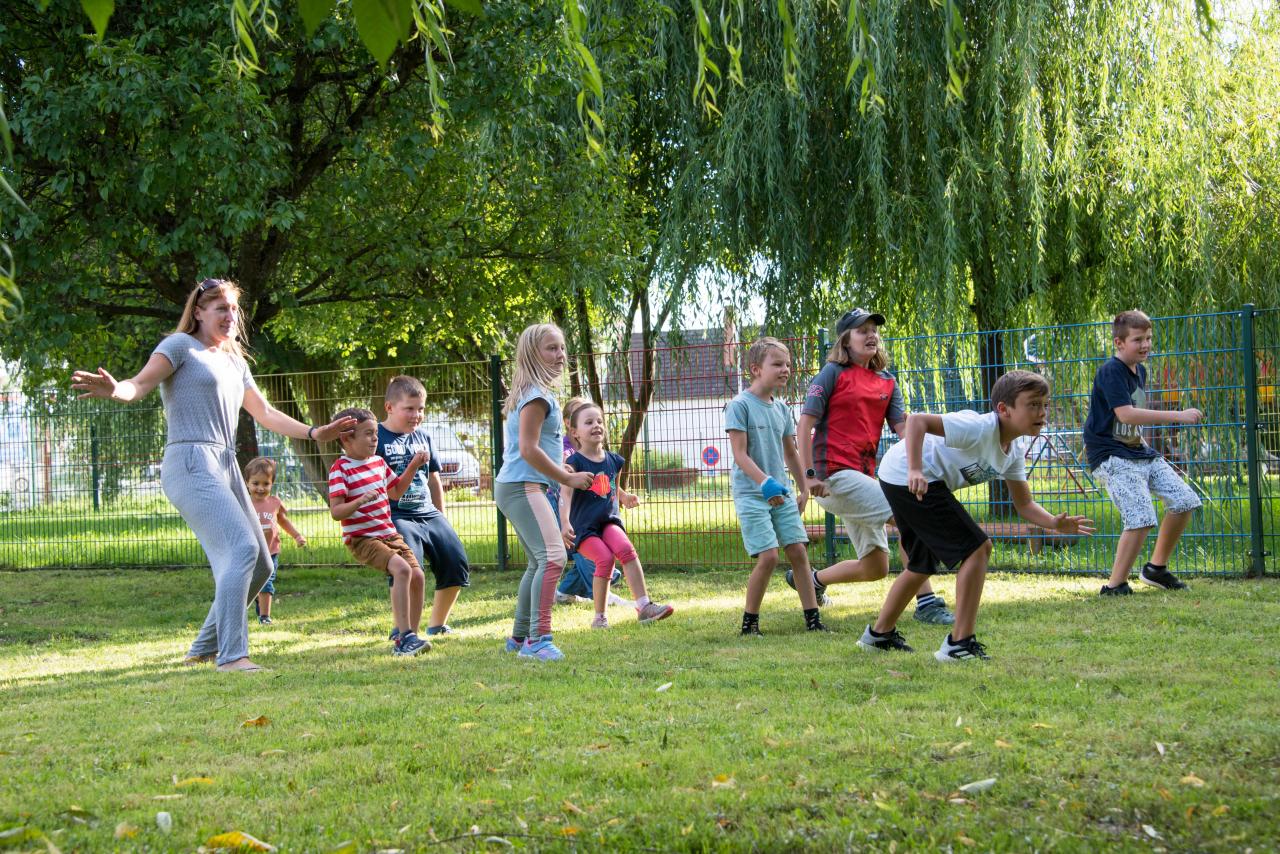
point(652, 612)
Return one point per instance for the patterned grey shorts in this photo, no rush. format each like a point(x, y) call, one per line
point(1131, 483)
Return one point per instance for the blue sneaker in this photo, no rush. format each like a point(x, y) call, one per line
point(410, 644)
point(615, 576)
point(439, 630)
point(935, 613)
point(395, 633)
point(512, 645)
point(542, 649)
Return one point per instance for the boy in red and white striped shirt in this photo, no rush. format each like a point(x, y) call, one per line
point(360, 484)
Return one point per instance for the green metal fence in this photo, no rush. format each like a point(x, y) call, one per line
point(79, 480)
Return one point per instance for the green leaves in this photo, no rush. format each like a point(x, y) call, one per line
point(382, 25)
point(99, 12)
point(314, 12)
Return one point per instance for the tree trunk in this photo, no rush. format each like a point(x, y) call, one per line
point(588, 347)
point(246, 438)
point(991, 363)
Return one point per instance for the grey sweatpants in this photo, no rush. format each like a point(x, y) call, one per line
point(204, 483)
point(527, 507)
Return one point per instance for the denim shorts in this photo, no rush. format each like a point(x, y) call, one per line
point(765, 527)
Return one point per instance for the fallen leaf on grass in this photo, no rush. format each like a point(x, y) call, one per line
point(570, 830)
point(813, 683)
point(964, 840)
point(124, 830)
point(1001, 743)
point(167, 797)
point(1164, 793)
point(959, 722)
point(16, 837)
point(978, 786)
point(722, 781)
point(498, 840)
point(898, 674)
point(194, 781)
point(346, 847)
point(1221, 809)
point(570, 806)
point(275, 751)
point(1192, 780)
point(468, 725)
point(1160, 748)
point(1150, 831)
point(664, 687)
point(959, 747)
point(80, 815)
point(238, 840)
point(260, 720)
point(307, 735)
point(1039, 725)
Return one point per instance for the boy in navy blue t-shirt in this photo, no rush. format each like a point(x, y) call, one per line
point(419, 514)
point(1129, 467)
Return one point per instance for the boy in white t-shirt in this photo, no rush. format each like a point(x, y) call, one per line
point(942, 453)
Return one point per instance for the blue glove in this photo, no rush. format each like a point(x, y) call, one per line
point(770, 488)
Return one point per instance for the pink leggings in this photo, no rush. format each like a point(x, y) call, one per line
point(603, 550)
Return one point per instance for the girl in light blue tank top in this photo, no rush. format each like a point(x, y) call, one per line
point(533, 422)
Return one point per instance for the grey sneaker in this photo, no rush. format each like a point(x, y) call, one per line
point(935, 613)
point(819, 588)
point(892, 642)
point(600, 621)
point(1122, 590)
point(1162, 578)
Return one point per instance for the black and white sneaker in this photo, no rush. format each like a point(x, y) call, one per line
point(1122, 589)
point(965, 650)
point(891, 642)
point(1161, 577)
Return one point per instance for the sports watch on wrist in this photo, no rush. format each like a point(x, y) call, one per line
point(811, 473)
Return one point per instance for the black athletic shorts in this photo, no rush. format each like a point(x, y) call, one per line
point(933, 529)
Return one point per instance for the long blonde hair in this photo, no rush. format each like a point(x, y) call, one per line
point(840, 353)
point(530, 370)
point(205, 293)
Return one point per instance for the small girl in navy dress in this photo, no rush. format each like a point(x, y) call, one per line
point(589, 518)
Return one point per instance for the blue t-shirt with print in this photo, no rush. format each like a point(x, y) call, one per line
point(515, 469)
point(597, 506)
point(1106, 436)
point(397, 449)
point(766, 425)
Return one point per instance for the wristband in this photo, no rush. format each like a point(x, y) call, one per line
point(811, 473)
point(311, 433)
point(770, 488)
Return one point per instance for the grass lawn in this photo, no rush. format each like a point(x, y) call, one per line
point(1148, 723)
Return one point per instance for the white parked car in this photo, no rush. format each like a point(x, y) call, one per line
point(459, 468)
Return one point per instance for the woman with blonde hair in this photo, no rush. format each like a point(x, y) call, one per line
point(203, 374)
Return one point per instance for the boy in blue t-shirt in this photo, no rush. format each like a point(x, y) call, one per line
point(1129, 467)
point(762, 435)
point(419, 514)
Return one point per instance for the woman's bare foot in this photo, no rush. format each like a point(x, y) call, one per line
point(192, 660)
point(243, 665)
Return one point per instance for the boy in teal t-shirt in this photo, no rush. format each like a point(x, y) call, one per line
point(762, 435)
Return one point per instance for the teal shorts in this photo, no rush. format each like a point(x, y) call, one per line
point(765, 527)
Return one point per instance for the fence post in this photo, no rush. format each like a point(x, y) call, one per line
point(1252, 458)
point(828, 521)
point(497, 442)
point(94, 472)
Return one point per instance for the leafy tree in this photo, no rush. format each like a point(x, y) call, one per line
point(355, 232)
